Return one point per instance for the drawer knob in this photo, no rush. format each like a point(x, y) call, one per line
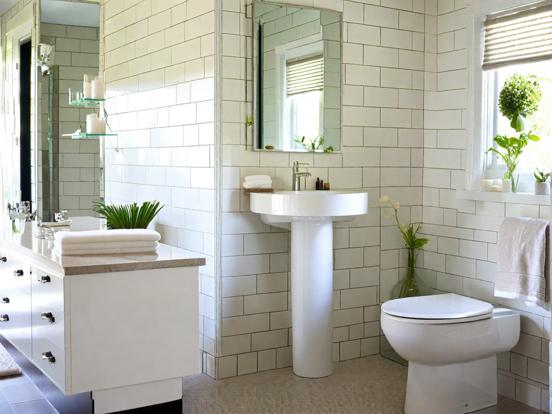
point(4, 318)
point(5, 300)
point(18, 272)
point(49, 357)
point(47, 316)
point(3, 259)
point(44, 279)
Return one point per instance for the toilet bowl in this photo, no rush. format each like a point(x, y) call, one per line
point(450, 342)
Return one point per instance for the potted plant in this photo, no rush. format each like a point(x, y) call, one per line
point(542, 187)
point(519, 98)
point(128, 216)
point(408, 286)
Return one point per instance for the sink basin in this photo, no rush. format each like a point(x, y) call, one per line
point(310, 216)
point(310, 203)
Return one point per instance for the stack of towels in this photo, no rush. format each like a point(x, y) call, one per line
point(257, 181)
point(77, 243)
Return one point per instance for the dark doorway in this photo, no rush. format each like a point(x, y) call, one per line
point(25, 120)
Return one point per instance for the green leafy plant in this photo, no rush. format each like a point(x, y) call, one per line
point(540, 176)
point(413, 243)
point(128, 216)
point(312, 145)
point(519, 98)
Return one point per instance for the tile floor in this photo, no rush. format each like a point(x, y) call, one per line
point(372, 385)
point(369, 386)
point(18, 395)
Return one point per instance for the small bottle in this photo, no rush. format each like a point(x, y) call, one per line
point(86, 87)
point(327, 186)
point(317, 185)
point(321, 186)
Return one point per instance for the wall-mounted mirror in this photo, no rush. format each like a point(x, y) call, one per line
point(297, 78)
point(70, 171)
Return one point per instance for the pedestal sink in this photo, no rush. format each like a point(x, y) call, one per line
point(309, 215)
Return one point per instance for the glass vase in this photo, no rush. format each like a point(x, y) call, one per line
point(408, 286)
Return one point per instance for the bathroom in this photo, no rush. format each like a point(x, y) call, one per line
point(191, 108)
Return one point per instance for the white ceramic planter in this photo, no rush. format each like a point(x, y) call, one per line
point(542, 188)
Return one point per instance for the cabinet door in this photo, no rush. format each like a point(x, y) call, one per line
point(15, 294)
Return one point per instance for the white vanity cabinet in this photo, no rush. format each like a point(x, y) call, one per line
point(15, 301)
point(123, 328)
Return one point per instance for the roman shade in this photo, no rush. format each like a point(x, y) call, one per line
point(521, 37)
point(304, 75)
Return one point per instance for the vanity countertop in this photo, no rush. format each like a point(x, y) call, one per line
point(40, 253)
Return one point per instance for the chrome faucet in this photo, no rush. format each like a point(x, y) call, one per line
point(297, 175)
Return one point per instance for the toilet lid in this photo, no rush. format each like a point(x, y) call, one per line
point(446, 306)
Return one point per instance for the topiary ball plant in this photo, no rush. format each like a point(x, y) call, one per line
point(519, 98)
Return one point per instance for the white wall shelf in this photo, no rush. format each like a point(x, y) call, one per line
point(517, 198)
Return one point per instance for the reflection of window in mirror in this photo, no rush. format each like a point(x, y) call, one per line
point(304, 100)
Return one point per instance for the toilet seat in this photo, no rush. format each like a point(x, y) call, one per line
point(438, 309)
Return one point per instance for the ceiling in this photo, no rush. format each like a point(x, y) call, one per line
point(5, 5)
point(70, 12)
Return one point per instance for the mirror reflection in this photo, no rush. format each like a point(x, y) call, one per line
point(69, 172)
point(297, 78)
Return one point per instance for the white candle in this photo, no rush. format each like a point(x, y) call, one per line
point(86, 87)
point(98, 89)
point(94, 125)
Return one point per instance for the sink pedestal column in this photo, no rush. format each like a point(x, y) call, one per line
point(311, 296)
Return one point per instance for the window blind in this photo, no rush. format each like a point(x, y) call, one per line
point(305, 75)
point(525, 36)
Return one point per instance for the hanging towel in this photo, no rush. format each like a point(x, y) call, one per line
point(522, 265)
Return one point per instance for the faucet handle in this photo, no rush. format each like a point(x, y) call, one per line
point(297, 164)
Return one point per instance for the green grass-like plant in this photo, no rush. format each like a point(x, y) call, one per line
point(128, 216)
point(541, 176)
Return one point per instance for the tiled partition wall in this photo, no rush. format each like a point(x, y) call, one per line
point(159, 62)
point(383, 74)
point(9, 156)
point(77, 162)
point(462, 254)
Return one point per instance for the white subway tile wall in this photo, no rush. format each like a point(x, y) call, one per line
point(158, 62)
point(404, 119)
point(462, 255)
point(383, 71)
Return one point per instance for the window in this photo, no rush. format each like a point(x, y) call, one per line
point(518, 42)
point(303, 102)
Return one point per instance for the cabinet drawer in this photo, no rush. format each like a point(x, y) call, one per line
point(15, 291)
point(47, 290)
point(48, 323)
point(50, 359)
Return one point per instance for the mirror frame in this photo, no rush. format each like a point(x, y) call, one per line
point(256, 98)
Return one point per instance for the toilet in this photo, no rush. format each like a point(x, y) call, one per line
point(450, 343)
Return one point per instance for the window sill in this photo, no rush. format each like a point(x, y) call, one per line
point(516, 198)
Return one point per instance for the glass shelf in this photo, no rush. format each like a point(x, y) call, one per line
point(82, 135)
point(87, 102)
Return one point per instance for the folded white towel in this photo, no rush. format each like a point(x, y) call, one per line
point(257, 178)
point(106, 250)
point(148, 245)
point(257, 185)
point(65, 238)
point(522, 262)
